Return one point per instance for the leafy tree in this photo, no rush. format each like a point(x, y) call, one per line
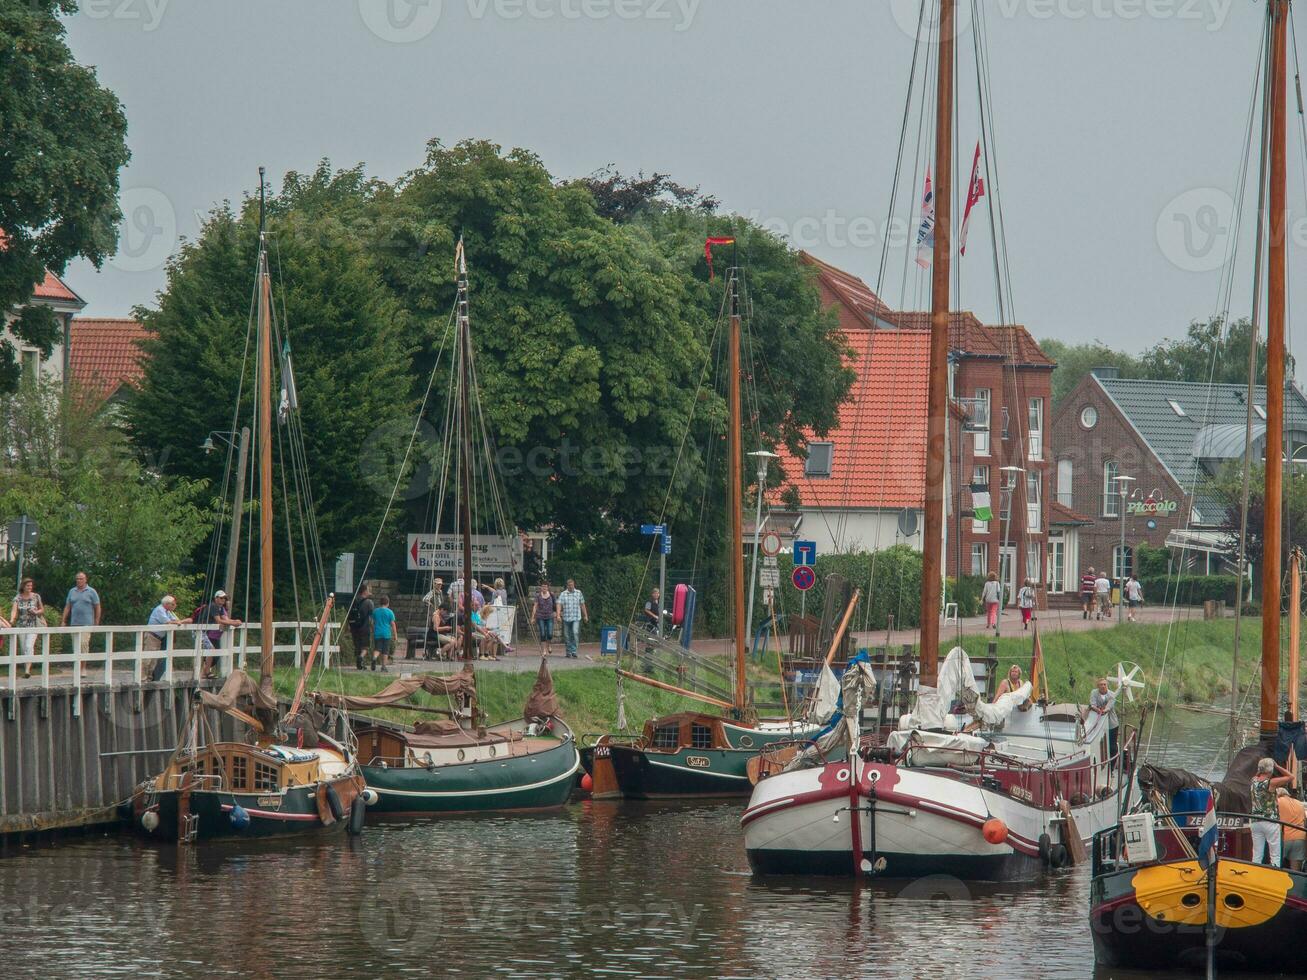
point(1074, 361)
point(622, 198)
point(1228, 487)
point(348, 338)
point(1207, 352)
point(62, 143)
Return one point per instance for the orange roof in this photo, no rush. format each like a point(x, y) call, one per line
point(105, 355)
point(879, 446)
point(969, 336)
point(858, 306)
point(1059, 513)
point(51, 287)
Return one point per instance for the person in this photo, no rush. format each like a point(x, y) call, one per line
point(1293, 848)
point(1103, 595)
point(217, 617)
point(501, 593)
point(1087, 581)
point(1265, 812)
point(27, 611)
point(440, 635)
point(489, 645)
point(544, 612)
point(1009, 683)
point(1026, 600)
point(991, 595)
point(456, 594)
point(1103, 702)
point(436, 596)
point(572, 612)
point(81, 608)
point(383, 633)
point(653, 611)
point(163, 614)
point(359, 622)
point(1134, 595)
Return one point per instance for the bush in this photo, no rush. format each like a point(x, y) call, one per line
point(1189, 590)
point(1152, 562)
point(965, 591)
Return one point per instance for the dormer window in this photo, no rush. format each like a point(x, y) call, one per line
point(1261, 412)
point(820, 455)
point(1175, 407)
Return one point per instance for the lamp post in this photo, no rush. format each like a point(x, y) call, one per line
point(764, 458)
point(1122, 488)
point(243, 454)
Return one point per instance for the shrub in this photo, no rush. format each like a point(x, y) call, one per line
point(1189, 590)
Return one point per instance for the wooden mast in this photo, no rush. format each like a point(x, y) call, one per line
point(1275, 301)
point(265, 457)
point(465, 454)
point(735, 500)
point(1295, 627)
point(937, 396)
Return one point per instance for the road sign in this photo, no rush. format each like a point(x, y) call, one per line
point(23, 532)
point(667, 544)
point(769, 578)
point(653, 528)
point(804, 577)
point(770, 544)
point(805, 552)
point(768, 596)
point(768, 561)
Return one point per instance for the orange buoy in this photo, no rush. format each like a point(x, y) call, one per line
point(995, 830)
point(588, 784)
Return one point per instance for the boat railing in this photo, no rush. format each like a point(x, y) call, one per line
point(118, 654)
point(1106, 844)
point(592, 738)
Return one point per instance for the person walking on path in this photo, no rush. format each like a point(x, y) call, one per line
point(572, 612)
point(81, 608)
point(1026, 600)
point(1134, 597)
point(1087, 581)
point(1103, 595)
point(161, 615)
point(27, 611)
point(1265, 812)
point(544, 614)
point(991, 595)
point(383, 633)
point(360, 627)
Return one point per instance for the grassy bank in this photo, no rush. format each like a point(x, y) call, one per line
point(1196, 656)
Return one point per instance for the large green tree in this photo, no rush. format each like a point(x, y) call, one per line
point(62, 143)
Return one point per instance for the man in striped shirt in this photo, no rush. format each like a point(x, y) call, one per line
point(1087, 591)
point(572, 611)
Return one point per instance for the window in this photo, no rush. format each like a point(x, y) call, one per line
point(1034, 558)
point(1006, 422)
point(240, 773)
point(700, 737)
point(31, 364)
point(1036, 436)
point(1056, 562)
point(1034, 501)
point(1005, 496)
point(980, 559)
point(1089, 416)
point(668, 737)
point(1111, 492)
point(1065, 481)
point(1175, 407)
point(980, 478)
point(1123, 561)
point(265, 778)
point(981, 420)
point(819, 458)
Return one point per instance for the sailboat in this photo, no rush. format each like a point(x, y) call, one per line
point(290, 778)
point(702, 754)
point(456, 764)
point(961, 787)
point(1173, 884)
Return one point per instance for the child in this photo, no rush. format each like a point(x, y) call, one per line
point(1026, 600)
point(383, 633)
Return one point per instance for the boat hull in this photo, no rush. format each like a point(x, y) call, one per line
point(681, 774)
point(1154, 917)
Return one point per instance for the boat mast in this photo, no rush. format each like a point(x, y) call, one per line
point(1275, 289)
point(465, 455)
point(735, 498)
point(265, 456)
point(937, 392)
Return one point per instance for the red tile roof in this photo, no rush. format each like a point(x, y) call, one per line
point(105, 355)
point(1062, 514)
point(879, 445)
point(858, 306)
point(52, 287)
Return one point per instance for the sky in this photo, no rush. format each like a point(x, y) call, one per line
point(1119, 128)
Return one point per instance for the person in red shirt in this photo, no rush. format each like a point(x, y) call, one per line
point(1087, 591)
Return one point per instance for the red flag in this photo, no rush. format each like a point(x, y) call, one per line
point(707, 251)
point(975, 191)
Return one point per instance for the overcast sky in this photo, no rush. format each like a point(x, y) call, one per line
point(1119, 125)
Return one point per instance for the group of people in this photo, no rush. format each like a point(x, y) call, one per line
point(568, 609)
point(1096, 595)
point(1279, 827)
point(991, 596)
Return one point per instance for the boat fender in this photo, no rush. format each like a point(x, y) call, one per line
point(1058, 856)
point(1045, 842)
point(587, 783)
point(240, 817)
point(333, 801)
point(150, 820)
point(994, 830)
point(358, 811)
point(370, 796)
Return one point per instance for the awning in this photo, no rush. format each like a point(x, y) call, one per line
point(1224, 441)
point(1213, 542)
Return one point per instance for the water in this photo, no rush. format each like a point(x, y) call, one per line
point(614, 889)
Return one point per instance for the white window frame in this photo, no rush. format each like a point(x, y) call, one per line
point(1035, 442)
point(1034, 561)
point(984, 418)
point(980, 474)
point(1066, 481)
point(980, 549)
point(1111, 491)
point(1034, 500)
point(29, 362)
point(1118, 571)
point(830, 460)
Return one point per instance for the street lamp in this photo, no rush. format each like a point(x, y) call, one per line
point(764, 458)
point(1123, 488)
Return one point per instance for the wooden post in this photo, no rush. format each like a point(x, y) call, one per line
point(1295, 627)
point(265, 473)
point(465, 455)
point(735, 499)
point(937, 392)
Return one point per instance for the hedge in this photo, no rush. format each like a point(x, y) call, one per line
point(1189, 590)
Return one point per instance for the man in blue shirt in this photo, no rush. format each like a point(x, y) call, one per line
point(161, 615)
point(383, 633)
point(81, 608)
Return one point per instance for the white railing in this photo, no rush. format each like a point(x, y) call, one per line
point(95, 653)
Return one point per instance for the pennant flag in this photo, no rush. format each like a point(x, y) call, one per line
point(1207, 837)
point(926, 233)
point(1036, 666)
point(975, 191)
point(980, 502)
point(707, 251)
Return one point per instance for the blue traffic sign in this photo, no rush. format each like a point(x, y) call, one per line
point(804, 578)
point(653, 528)
point(667, 544)
point(805, 553)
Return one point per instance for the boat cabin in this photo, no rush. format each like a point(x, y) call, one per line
point(690, 730)
point(235, 767)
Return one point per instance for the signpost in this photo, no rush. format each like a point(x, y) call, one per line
point(24, 531)
point(770, 544)
point(665, 549)
point(804, 578)
point(440, 552)
point(805, 556)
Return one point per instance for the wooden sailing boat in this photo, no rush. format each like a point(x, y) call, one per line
point(1179, 889)
point(457, 764)
point(273, 785)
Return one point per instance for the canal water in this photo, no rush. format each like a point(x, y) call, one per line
point(613, 889)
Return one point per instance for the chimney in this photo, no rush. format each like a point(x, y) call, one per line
point(1106, 373)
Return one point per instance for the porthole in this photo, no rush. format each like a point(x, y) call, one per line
point(426, 758)
point(1191, 900)
point(842, 775)
point(1233, 902)
point(492, 751)
point(461, 755)
point(1089, 416)
point(746, 741)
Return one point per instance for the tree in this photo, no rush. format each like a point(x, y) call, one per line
point(620, 198)
point(348, 336)
point(1207, 352)
point(1227, 485)
point(62, 144)
point(1074, 361)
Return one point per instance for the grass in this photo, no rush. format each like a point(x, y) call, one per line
point(1192, 657)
